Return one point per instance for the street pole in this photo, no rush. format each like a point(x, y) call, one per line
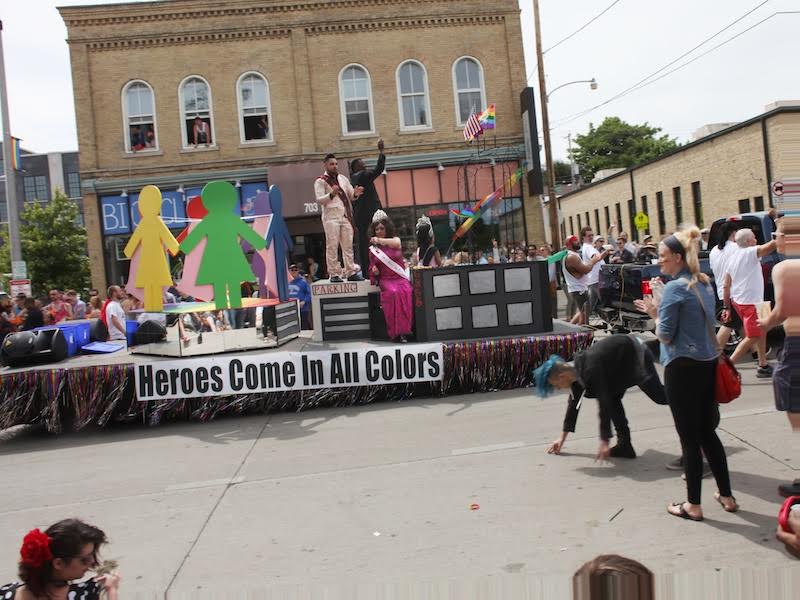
point(8, 167)
point(571, 161)
point(555, 231)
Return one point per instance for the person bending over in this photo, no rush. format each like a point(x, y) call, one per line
point(604, 371)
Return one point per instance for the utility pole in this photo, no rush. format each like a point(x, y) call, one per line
point(571, 161)
point(8, 159)
point(555, 231)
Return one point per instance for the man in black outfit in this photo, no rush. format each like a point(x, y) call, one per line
point(604, 371)
point(366, 205)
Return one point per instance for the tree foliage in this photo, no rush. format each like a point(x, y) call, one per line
point(563, 171)
point(5, 257)
point(54, 245)
point(617, 144)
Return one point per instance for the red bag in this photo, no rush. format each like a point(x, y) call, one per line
point(783, 515)
point(728, 381)
point(728, 385)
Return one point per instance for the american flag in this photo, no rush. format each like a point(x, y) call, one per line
point(473, 128)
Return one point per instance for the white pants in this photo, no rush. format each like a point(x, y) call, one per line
point(339, 232)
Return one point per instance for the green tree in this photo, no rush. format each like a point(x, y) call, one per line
point(54, 245)
point(563, 171)
point(617, 144)
point(5, 258)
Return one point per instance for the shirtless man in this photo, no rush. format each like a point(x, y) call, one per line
point(786, 377)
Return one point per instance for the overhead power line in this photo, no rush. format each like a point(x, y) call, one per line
point(641, 83)
point(576, 32)
point(730, 39)
point(584, 26)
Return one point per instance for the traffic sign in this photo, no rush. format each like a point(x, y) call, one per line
point(642, 221)
point(20, 286)
point(777, 188)
point(19, 269)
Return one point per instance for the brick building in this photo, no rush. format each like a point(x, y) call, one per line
point(39, 177)
point(178, 93)
point(725, 173)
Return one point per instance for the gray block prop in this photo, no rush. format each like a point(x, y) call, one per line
point(481, 301)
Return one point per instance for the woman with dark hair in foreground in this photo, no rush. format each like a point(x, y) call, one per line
point(52, 560)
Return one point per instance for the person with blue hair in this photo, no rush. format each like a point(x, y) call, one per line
point(605, 370)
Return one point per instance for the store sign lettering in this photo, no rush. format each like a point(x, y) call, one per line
point(115, 215)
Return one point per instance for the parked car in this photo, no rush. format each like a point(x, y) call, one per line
point(620, 285)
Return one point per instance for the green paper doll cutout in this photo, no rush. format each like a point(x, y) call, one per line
point(150, 236)
point(224, 265)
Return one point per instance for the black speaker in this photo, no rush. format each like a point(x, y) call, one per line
point(98, 332)
point(150, 332)
point(28, 348)
point(377, 320)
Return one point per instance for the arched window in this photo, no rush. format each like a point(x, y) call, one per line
point(196, 113)
point(255, 120)
point(412, 96)
point(355, 92)
point(469, 89)
point(138, 109)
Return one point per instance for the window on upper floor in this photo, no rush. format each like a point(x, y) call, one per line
point(138, 107)
point(355, 94)
point(73, 185)
point(469, 89)
point(35, 188)
point(412, 96)
point(196, 113)
point(255, 118)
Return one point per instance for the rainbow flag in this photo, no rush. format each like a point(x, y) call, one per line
point(485, 203)
point(16, 159)
point(486, 118)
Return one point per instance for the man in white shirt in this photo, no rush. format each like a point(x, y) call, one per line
point(588, 252)
point(743, 288)
point(704, 238)
point(576, 273)
point(115, 316)
point(631, 247)
point(718, 258)
point(335, 195)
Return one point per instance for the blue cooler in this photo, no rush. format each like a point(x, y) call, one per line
point(82, 331)
point(130, 329)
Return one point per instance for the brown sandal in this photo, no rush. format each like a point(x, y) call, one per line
point(683, 513)
point(732, 509)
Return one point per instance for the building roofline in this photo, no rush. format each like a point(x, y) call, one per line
point(703, 140)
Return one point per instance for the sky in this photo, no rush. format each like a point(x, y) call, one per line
point(633, 39)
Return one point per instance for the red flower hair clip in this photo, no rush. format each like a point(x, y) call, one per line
point(35, 550)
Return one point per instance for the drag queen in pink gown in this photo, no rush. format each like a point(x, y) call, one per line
point(386, 269)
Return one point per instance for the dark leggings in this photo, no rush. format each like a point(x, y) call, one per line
point(690, 391)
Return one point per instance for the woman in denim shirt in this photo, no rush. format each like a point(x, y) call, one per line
point(689, 354)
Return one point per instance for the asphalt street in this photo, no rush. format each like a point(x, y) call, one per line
point(452, 496)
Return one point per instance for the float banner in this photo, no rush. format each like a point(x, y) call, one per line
point(288, 371)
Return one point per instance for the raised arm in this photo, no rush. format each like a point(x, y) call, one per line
point(378, 170)
point(576, 265)
point(768, 248)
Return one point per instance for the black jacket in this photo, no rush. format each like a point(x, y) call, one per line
point(606, 369)
point(366, 205)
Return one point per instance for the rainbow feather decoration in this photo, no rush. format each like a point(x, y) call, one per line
point(488, 201)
